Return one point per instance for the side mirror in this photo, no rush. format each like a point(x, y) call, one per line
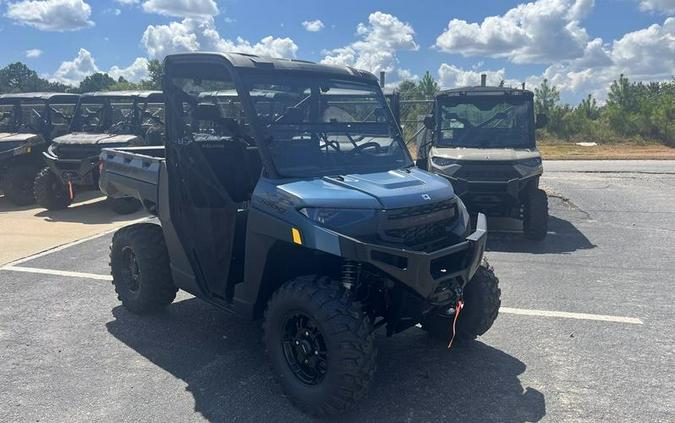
point(542, 120)
point(429, 122)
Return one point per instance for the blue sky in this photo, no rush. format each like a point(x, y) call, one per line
point(580, 45)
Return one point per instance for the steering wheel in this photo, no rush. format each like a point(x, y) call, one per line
point(370, 144)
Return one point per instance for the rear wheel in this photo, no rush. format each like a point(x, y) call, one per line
point(50, 192)
point(320, 343)
point(139, 264)
point(124, 205)
point(535, 214)
point(482, 299)
point(17, 183)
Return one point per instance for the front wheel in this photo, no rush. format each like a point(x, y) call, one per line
point(535, 215)
point(17, 184)
point(50, 192)
point(320, 343)
point(482, 299)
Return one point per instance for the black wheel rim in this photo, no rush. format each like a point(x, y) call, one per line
point(304, 348)
point(130, 272)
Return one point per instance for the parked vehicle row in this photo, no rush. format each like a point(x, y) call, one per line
point(285, 192)
point(50, 142)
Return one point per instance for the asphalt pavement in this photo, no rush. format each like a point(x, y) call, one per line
point(585, 334)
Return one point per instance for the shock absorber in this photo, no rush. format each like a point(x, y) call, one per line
point(350, 273)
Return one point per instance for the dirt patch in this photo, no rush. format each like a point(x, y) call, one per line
point(606, 152)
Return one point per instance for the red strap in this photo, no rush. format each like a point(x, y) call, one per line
point(458, 309)
point(70, 190)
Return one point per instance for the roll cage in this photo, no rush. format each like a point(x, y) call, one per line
point(237, 69)
point(46, 112)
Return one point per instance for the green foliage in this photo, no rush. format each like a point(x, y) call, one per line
point(546, 99)
point(96, 82)
point(156, 71)
point(635, 111)
point(428, 87)
point(17, 77)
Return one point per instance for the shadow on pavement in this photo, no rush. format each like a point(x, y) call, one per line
point(563, 237)
point(221, 359)
point(8, 206)
point(92, 210)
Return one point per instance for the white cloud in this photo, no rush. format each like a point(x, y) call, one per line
point(51, 15)
point(662, 6)
point(33, 53)
point(127, 2)
point(73, 71)
point(451, 76)
point(135, 72)
point(646, 55)
point(313, 26)
point(540, 32)
point(376, 51)
point(182, 8)
point(201, 34)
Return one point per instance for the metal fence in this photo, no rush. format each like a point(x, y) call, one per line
point(412, 114)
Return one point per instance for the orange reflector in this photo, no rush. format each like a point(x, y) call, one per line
point(297, 239)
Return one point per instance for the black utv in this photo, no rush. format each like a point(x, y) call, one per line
point(289, 203)
point(482, 139)
point(28, 123)
point(101, 119)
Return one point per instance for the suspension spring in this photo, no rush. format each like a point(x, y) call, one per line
point(351, 271)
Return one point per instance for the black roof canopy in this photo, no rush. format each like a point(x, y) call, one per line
point(44, 96)
point(484, 91)
point(144, 94)
point(250, 63)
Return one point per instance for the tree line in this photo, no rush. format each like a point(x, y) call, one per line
point(17, 77)
point(634, 111)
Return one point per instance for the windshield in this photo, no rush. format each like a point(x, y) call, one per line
point(318, 127)
point(8, 117)
point(99, 115)
point(32, 117)
point(487, 123)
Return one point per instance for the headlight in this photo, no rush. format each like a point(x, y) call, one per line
point(532, 162)
point(442, 161)
point(338, 218)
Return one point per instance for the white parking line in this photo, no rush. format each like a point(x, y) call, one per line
point(58, 272)
point(568, 315)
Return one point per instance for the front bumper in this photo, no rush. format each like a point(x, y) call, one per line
point(77, 171)
point(16, 151)
point(423, 272)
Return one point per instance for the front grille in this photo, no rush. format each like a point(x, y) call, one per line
point(420, 227)
point(487, 172)
point(406, 212)
point(74, 152)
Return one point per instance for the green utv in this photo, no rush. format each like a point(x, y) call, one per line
point(28, 123)
point(482, 139)
point(286, 193)
point(101, 119)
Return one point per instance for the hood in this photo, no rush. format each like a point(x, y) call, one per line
point(16, 137)
point(384, 190)
point(486, 154)
point(85, 138)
